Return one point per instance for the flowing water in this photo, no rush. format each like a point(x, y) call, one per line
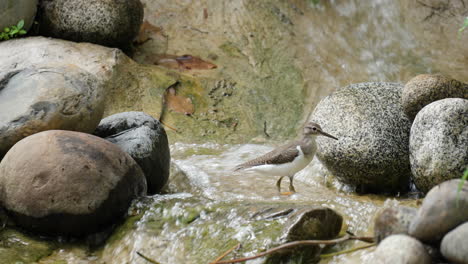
point(343, 42)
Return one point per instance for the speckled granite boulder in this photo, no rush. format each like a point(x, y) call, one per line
point(442, 210)
point(144, 139)
point(439, 142)
point(427, 88)
point(12, 11)
point(401, 249)
point(113, 23)
point(43, 98)
point(68, 183)
point(392, 221)
point(372, 150)
point(454, 246)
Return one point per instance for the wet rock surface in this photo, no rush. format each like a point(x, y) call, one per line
point(454, 245)
point(111, 23)
point(68, 183)
point(44, 98)
point(427, 88)
point(439, 142)
point(371, 152)
point(401, 249)
point(12, 11)
point(144, 139)
point(218, 226)
point(443, 209)
point(393, 220)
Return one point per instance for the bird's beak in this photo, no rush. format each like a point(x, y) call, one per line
point(327, 135)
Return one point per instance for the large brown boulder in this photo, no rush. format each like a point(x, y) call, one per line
point(68, 183)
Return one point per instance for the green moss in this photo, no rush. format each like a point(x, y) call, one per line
point(16, 247)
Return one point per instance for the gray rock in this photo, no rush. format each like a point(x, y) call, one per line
point(401, 249)
point(427, 88)
point(392, 221)
point(373, 132)
point(454, 245)
point(38, 99)
point(144, 139)
point(68, 183)
point(443, 209)
point(12, 11)
point(46, 52)
point(113, 23)
point(439, 142)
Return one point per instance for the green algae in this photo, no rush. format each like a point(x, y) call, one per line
point(17, 247)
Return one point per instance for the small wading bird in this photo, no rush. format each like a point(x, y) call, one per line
point(287, 160)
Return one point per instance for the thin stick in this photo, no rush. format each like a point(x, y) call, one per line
point(288, 245)
point(346, 251)
point(147, 259)
point(225, 254)
point(168, 126)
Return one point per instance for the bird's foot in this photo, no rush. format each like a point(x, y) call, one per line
point(287, 193)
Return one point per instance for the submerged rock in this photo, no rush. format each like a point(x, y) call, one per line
point(443, 209)
point(173, 222)
point(454, 245)
point(144, 139)
point(401, 249)
point(44, 98)
point(427, 88)
point(68, 183)
point(392, 221)
point(111, 23)
point(371, 152)
point(439, 142)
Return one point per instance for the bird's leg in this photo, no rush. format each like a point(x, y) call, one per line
point(278, 184)
point(291, 186)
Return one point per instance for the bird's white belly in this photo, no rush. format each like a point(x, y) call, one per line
point(286, 169)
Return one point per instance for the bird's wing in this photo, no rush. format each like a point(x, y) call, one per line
point(280, 155)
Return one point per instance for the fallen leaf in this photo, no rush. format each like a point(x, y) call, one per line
point(184, 62)
point(146, 30)
point(177, 103)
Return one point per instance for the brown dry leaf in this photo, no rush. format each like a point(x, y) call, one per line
point(184, 62)
point(178, 103)
point(146, 30)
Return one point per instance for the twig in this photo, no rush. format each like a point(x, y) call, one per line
point(346, 251)
point(147, 259)
point(168, 126)
point(299, 243)
point(225, 254)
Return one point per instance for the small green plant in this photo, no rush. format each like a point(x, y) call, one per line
point(13, 31)
point(465, 25)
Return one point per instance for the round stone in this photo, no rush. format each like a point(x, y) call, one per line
point(401, 249)
point(393, 220)
point(12, 11)
point(427, 88)
point(371, 152)
point(68, 183)
point(43, 98)
point(113, 23)
point(145, 140)
point(454, 246)
point(443, 209)
point(439, 142)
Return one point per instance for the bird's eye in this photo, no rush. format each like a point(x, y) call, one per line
point(314, 128)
